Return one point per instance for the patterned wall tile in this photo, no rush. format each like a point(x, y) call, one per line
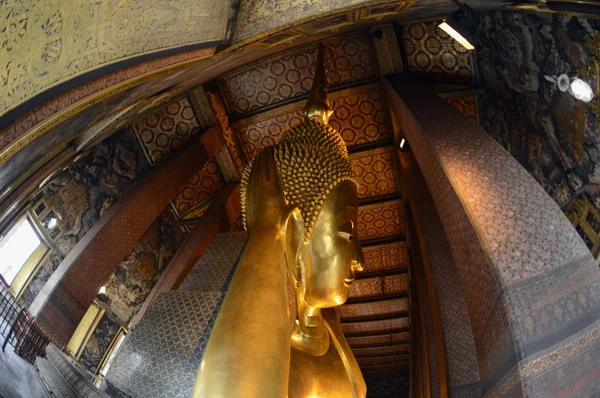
point(467, 105)
point(376, 172)
point(285, 77)
point(160, 358)
point(205, 183)
point(373, 309)
point(384, 257)
point(509, 280)
point(381, 350)
point(358, 115)
point(375, 326)
point(166, 129)
point(224, 251)
point(379, 221)
point(430, 50)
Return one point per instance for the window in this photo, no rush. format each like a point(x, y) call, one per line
point(16, 248)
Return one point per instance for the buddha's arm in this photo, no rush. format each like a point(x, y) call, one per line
point(248, 353)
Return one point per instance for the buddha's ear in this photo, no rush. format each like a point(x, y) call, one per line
point(293, 227)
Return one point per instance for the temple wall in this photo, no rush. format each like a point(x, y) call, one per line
point(554, 136)
point(530, 283)
point(161, 355)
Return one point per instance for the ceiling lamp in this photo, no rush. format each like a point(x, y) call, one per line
point(580, 89)
point(463, 25)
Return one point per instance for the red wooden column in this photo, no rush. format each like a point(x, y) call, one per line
point(531, 285)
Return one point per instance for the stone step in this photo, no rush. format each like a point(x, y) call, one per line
point(52, 380)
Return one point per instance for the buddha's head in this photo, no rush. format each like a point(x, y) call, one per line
point(318, 180)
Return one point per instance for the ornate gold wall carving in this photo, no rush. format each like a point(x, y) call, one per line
point(50, 42)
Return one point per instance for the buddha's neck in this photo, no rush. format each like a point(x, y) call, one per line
point(310, 334)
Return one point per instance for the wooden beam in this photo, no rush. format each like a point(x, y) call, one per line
point(383, 241)
point(370, 146)
point(380, 344)
point(377, 332)
point(380, 274)
point(389, 354)
point(394, 315)
point(379, 199)
point(361, 300)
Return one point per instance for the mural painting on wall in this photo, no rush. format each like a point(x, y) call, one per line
point(554, 136)
point(81, 194)
point(99, 343)
point(134, 278)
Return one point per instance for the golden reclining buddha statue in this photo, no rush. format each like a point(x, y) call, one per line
point(277, 333)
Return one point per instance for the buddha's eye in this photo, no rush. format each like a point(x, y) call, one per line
point(346, 235)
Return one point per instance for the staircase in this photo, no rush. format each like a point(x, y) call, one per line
point(62, 378)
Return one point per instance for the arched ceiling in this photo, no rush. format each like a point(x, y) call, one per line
point(250, 94)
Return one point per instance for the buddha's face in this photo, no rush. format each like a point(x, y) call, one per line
point(333, 254)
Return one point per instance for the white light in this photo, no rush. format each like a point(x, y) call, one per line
point(16, 249)
point(102, 290)
point(456, 36)
point(581, 90)
point(52, 223)
point(402, 143)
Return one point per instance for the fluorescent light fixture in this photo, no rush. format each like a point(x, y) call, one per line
point(456, 36)
point(402, 143)
point(16, 248)
point(581, 90)
point(52, 223)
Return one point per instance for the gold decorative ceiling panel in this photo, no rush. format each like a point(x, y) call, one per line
point(201, 187)
point(376, 172)
point(264, 129)
point(166, 129)
point(432, 51)
point(390, 360)
point(369, 340)
point(380, 220)
point(376, 326)
point(374, 287)
point(467, 105)
point(371, 287)
point(395, 284)
point(384, 257)
point(373, 309)
point(348, 59)
point(397, 337)
point(391, 349)
point(359, 116)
